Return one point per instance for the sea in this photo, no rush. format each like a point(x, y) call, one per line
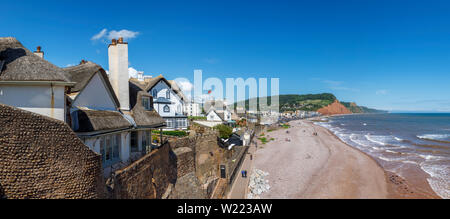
point(399, 141)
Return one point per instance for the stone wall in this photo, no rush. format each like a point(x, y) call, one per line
point(147, 178)
point(41, 157)
point(185, 161)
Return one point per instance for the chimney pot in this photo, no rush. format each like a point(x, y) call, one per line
point(120, 40)
point(113, 41)
point(39, 52)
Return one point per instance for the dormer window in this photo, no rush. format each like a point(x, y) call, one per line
point(146, 103)
point(168, 94)
point(155, 93)
point(166, 109)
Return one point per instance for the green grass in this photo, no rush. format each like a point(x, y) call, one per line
point(286, 126)
point(263, 140)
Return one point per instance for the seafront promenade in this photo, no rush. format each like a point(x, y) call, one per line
point(312, 166)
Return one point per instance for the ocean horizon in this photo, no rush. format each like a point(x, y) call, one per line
point(400, 141)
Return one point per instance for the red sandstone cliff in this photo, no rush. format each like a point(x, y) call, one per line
point(335, 108)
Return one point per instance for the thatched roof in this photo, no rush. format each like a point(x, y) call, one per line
point(20, 64)
point(143, 117)
point(83, 73)
point(150, 83)
point(177, 89)
point(100, 120)
point(153, 81)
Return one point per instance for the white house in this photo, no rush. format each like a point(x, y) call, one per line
point(118, 129)
point(193, 109)
point(29, 82)
point(219, 115)
point(168, 102)
point(95, 115)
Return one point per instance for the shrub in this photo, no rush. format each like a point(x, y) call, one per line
point(172, 133)
point(197, 117)
point(224, 131)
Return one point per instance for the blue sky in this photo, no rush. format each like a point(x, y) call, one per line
point(392, 55)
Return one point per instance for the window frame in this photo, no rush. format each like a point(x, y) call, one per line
point(166, 107)
point(146, 103)
point(134, 138)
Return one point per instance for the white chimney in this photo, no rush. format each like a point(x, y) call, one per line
point(38, 52)
point(140, 75)
point(118, 71)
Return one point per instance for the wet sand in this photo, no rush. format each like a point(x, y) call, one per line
point(322, 166)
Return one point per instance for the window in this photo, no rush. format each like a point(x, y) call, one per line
point(168, 94)
point(181, 122)
point(134, 142)
point(169, 123)
point(166, 109)
point(155, 93)
point(102, 149)
point(116, 146)
point(146, 103)
point(146, 140)
point(110, 148)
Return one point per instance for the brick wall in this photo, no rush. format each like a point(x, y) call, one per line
point(41, 157)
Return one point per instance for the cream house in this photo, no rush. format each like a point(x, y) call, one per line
point(29, 82)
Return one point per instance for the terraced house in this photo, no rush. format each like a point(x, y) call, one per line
point(117, 126)
point(110, 114)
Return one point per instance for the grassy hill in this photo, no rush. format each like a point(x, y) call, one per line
point(313, 102)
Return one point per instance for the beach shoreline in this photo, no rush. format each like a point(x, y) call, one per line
point(323, 166)
point(399, 187)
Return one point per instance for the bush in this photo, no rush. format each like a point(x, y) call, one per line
point(172, 133)
point(224, 131)
point(197, 117)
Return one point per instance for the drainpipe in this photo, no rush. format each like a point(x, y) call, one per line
point(160, 137)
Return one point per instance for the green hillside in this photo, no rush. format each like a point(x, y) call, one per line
point(360, 109)
point(312, 102)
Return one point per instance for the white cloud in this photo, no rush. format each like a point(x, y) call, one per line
point(381, 92)
point(99, 35)
point(114, 34)
point(132, 73)
point(126, 34)
point(186, 87)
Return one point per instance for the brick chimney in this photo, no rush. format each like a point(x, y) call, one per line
point(39, 52)
point(118, 71)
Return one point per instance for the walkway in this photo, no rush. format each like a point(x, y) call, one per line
point(240, 184)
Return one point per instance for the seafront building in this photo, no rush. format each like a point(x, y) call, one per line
point(168, 102)
point(113, 117)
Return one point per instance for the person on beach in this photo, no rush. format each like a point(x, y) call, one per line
point(243, 173)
